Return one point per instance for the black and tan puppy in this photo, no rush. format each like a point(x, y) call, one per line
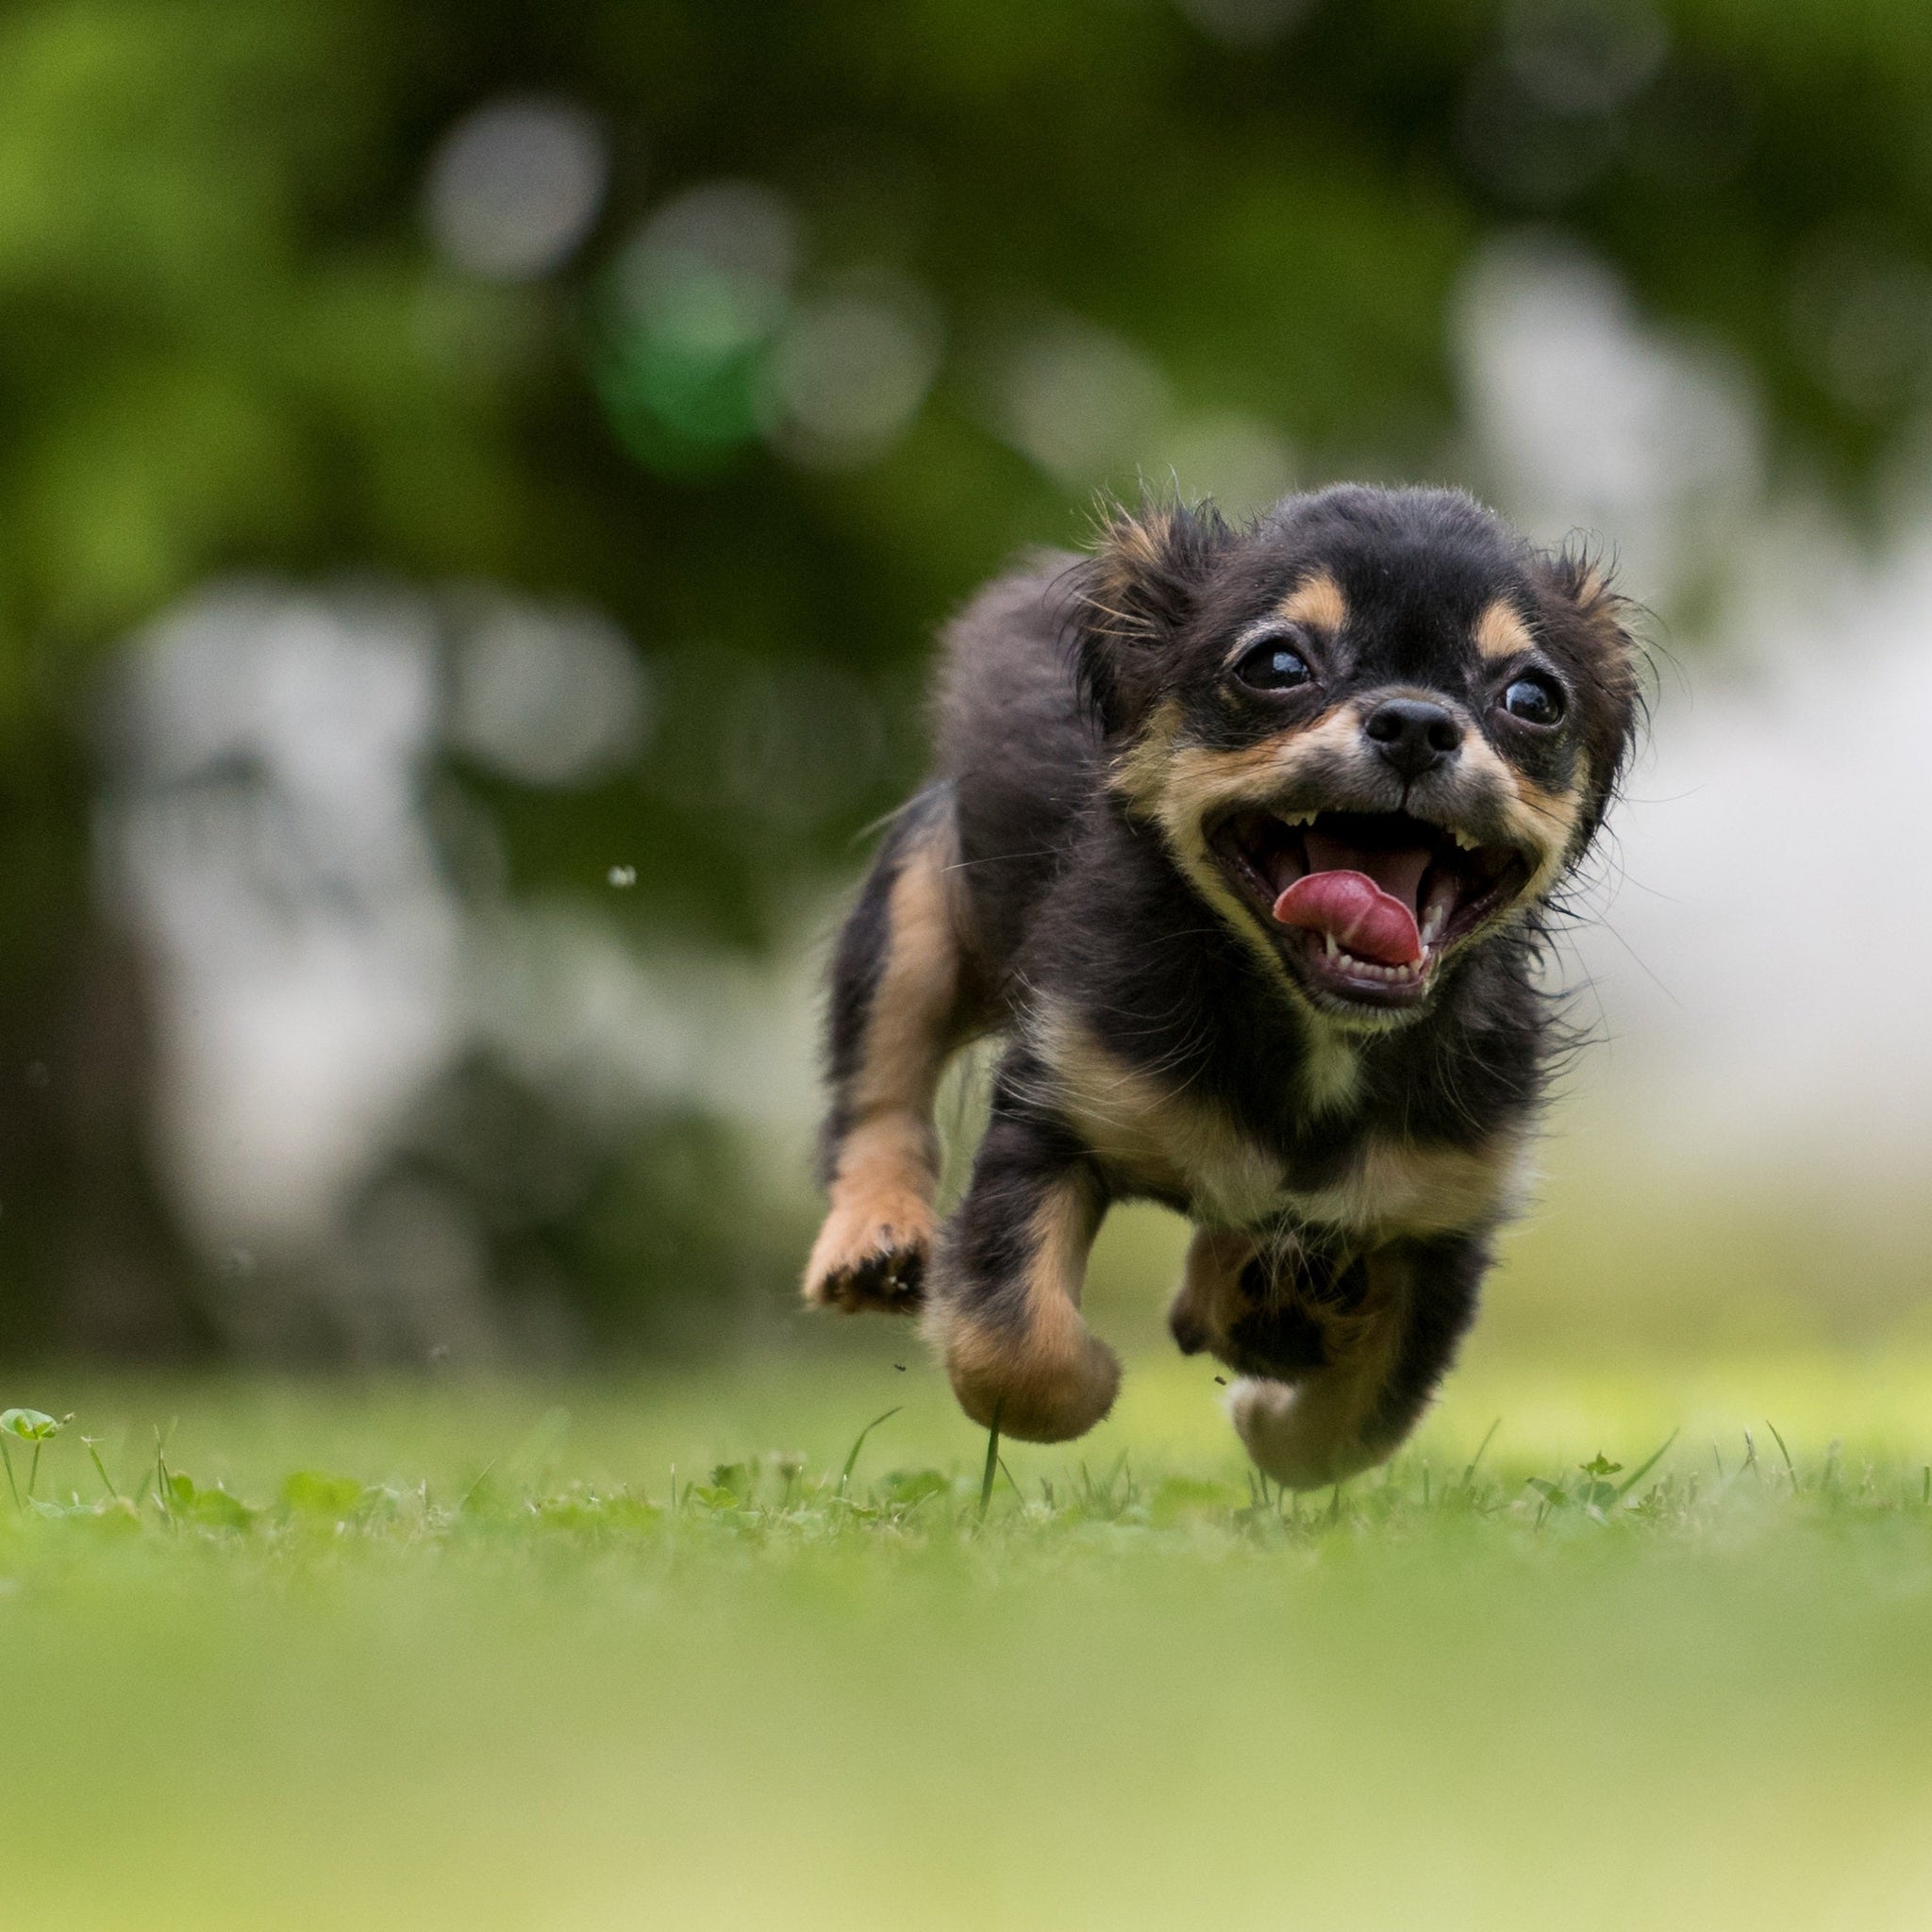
point(1243, 838)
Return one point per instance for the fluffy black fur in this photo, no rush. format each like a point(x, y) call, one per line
point(1088, 718)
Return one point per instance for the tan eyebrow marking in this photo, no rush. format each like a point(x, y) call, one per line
point(1317, 602)
point(1500, 631)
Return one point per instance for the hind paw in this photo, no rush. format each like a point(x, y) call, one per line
point(1302, 1437)
point(1047, 1379)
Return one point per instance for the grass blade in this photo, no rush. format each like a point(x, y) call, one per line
point(1782, 1450)
point(1489, 1435)
point(852, 1460)
point(93, 1449)
point(992, 1463)
point(483, 1477)
point(11, 1483)
point(1644, 1468)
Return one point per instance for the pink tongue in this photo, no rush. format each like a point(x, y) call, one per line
point(1356, 912)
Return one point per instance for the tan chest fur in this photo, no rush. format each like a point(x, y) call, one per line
point(1169, 1141)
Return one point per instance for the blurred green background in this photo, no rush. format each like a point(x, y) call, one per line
point(479, 483)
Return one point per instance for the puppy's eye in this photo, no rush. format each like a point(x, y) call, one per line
point(1274, 664)
point(1535, 699)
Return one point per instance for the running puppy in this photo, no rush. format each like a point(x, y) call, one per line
point(1243, 840)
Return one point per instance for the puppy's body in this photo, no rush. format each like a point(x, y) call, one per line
point(1138, 756)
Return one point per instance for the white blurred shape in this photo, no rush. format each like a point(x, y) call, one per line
point(1756, 967)
point(267, 845)
point(851, 370)
point(1760, 969)
point(1079, 401)
point(266, 841)
point(549, 696)
point(1589, 417)
point(515, 185)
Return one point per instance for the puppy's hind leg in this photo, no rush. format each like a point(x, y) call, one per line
point(1006, 1311)
point(1380, 1359)
point(898, 1008)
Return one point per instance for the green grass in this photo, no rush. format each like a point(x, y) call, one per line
point(473, 1655)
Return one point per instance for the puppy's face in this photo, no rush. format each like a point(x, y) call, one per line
point(1374, 731)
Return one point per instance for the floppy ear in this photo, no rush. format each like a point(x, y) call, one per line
point(1132, 596)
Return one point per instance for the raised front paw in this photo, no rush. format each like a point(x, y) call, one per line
point(1210, 1287)
point(872, 1254)
point(1269, 1313)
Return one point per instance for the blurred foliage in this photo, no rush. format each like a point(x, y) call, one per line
point(228, 344)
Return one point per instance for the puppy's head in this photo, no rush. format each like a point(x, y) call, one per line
point(1374, 730)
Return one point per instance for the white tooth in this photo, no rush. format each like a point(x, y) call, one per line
point(1329, 939)
point(1463, 839)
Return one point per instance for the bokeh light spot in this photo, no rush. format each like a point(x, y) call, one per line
point(515, 185)
point(694, 299)
point(851, 370)
point(549, 697)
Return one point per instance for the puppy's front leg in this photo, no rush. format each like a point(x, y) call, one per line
point(1007, 1314)
point(898, 1008)
point(1379, 1359)
point(1267, 1304)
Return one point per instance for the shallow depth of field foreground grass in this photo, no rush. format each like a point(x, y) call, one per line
point(461, 1657)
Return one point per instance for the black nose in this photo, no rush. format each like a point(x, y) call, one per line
point(1415, 735)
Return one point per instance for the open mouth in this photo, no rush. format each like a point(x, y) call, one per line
point(1367, 902)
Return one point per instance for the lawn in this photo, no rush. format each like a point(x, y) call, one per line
point(475, 1655)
